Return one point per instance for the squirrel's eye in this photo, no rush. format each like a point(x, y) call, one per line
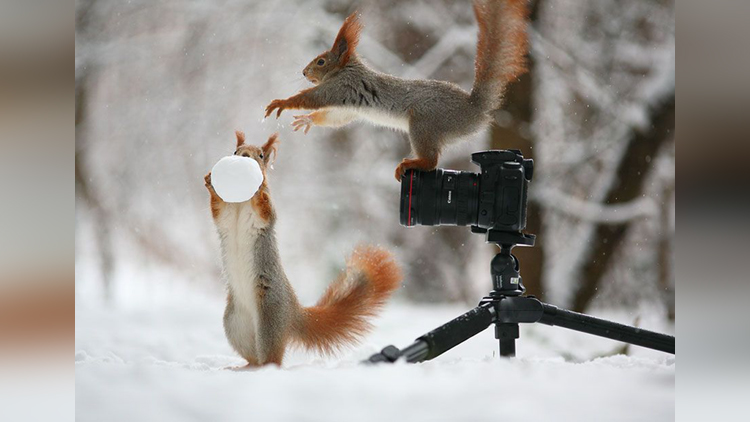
point(261, 155)
point(321, 62)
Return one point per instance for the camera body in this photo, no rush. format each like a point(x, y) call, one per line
point(495, 199)
point(503, 189)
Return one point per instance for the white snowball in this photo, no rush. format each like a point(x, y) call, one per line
point(236, 179)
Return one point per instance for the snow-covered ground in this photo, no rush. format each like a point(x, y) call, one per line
point(164, 360)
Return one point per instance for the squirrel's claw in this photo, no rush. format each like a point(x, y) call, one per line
point(302, 121)
point(400, 170)
point(207, 183)
point(406, 164)
point(275, 104)
point(421, 164)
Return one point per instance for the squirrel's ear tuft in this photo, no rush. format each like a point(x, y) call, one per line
point(240, 137)
point(347, 39)
point(270, 147)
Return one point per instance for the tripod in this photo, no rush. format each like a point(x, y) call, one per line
point(506, 307)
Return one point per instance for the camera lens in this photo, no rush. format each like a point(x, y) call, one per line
point(439, 197)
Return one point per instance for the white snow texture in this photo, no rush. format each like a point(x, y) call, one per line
point(164, 360)
point(236, 178)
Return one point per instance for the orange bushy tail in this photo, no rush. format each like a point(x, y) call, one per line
point(341, 316)
point(501, 48)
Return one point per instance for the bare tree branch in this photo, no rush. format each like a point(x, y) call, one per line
point(631, 173)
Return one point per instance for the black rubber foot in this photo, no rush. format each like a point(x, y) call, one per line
point(388, 354)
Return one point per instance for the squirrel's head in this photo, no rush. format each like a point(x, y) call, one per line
point(262, 154)
point(330, 62)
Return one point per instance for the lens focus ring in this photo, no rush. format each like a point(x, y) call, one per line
point(438, 197)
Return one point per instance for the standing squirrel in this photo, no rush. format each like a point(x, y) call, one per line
point(263, 314)
point(433, 113)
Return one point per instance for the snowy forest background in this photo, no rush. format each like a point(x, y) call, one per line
point(161, 87)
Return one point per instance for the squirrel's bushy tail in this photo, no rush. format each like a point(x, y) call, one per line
point(341, 316)
point(501, 48)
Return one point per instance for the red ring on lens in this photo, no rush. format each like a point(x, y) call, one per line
point(411, 185)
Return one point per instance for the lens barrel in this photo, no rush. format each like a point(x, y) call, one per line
point(439, 197)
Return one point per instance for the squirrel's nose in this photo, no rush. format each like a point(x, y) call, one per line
point(304, 72)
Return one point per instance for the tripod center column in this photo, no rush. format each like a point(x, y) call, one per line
point(507, 335)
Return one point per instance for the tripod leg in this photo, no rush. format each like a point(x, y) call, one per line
point(441, 339)
point(507, 335)
point(603, 328)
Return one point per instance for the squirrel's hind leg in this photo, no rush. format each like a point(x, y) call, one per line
point(426, 146)
point(251, 364)
point(276, 356)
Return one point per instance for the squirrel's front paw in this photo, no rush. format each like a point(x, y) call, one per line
point(276, 104)
point(207, 181)
point(303, 121)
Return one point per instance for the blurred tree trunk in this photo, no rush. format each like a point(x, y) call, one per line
point(666, 251)
point(84, 191)
point(636, 162)
point(517, 135)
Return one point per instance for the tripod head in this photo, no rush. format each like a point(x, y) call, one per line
point(505, 268)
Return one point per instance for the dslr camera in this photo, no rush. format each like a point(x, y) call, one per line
point(492, 200)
